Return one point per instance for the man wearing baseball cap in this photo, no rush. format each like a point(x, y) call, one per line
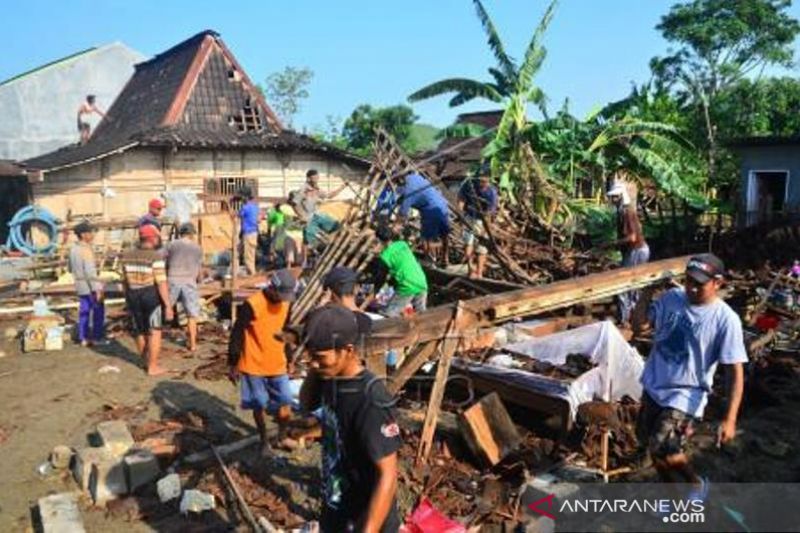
point(257, 356)
point(150, 218)
point(694, 330)
point(147, 295)
point(477, 199)
point(360, 436)
point(630, 241)
point(83, 266)
point(341, 284)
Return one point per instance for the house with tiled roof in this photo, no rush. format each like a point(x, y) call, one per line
point(188, 119)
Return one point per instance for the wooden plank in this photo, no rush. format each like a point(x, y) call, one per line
point(234, 266)
point(449, 344)
point(486, 310)
point(410, 366)
point(514, 393)
point(488, 429)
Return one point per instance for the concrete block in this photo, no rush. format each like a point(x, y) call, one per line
point(107, 480)
point(61, 457)
point(141, 468)
point(115, 437)
point(169, 487)
point(82, 466)
point(60, 514)
point(196, 501)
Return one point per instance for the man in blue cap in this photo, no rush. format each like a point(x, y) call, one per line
point(694, 331)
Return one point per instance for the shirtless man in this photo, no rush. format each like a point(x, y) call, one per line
point(87, 108)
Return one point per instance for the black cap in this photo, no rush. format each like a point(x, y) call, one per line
point(284, 284)
point(384, 233)
point(187, 228)
point(331, 327)
point(705, 267)
point(312, 172)
point(83, 227)
point(341, 280)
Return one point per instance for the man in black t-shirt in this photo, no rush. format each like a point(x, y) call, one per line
point(360, 436)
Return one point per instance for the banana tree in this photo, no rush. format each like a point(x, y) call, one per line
point(512, 85)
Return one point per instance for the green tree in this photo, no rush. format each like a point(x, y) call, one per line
point(508, 78)
point(767, 106)
point(359, 128)
point(286, 90)
point(513, 162)
point(719, 42)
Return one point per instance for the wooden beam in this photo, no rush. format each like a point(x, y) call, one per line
point(449, 345)
point(488, 430)
point(410, 366)
point(486, 310)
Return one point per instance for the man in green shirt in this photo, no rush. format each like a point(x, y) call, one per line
point(398, 262)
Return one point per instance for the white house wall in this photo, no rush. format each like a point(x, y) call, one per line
point(121, 185)
point(39, 110)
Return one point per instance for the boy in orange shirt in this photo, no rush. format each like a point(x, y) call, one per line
point(257, 357)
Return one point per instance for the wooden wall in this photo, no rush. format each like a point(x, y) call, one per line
point(132, 178)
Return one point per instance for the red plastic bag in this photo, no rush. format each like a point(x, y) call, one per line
point(427, 519)
point(767, 322)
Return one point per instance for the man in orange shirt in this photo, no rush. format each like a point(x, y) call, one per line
point(257, 357)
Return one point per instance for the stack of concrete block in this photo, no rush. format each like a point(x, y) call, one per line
point(115, 468)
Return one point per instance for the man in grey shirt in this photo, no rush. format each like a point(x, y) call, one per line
point(184, 269)
point(88, 286)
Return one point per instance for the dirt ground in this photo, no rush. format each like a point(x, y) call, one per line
point(51, 398)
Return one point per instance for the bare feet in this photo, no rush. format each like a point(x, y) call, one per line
point(156, 371)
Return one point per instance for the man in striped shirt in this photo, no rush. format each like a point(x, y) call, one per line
point(147, 295)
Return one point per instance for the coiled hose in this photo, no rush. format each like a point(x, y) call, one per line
point(32, 213)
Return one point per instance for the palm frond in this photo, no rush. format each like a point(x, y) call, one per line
point(456, 85)
point(666, 175)
point(534, 55)
point(502, 82)
point(505, 61)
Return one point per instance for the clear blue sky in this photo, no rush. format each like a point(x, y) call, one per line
point(362, 51)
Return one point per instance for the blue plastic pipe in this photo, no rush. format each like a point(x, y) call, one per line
point(32, 213)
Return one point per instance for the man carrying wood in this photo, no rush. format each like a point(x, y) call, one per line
point(83, 266)
point(415, 191)
point(360, 437)
point(257, 355)
point(147, 295)
point(477, 199)
point(630, 240)
point(184, 271)
point(398, 263)
point(694, 331)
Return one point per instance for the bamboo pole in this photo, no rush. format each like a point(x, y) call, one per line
point(234, 265)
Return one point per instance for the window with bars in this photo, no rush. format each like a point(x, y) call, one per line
point(225, 194)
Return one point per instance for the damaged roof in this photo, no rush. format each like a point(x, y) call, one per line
point(10, 168)
point(193, 95)
point(453, 163)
